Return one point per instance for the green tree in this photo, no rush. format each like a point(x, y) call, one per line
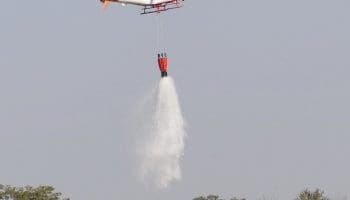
point(235, 198)
point(214, 197)
point(209, 197)
point(312, 195)
point(29, 193)
point(200, 198)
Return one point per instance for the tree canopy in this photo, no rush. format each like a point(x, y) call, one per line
point(312, 195)
point(303, 195)
point(29, 193)
point(215, 197)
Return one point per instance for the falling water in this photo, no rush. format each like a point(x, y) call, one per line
point(164, 144)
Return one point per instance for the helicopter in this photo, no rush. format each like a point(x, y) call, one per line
point(148, 6)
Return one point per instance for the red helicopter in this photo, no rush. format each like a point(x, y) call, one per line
point(149, 6)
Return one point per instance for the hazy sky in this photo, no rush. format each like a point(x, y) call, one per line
point(264, 86)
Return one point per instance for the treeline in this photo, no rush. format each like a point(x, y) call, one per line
point(49, 193)
point(29, 193)
point(304, 195)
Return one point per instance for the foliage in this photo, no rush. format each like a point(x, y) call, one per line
point(29, 193)
point(214, 197)
point(312, 195)
point(235, 198)
point(304, 195)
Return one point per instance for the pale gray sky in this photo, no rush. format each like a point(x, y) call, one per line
point(264, 87)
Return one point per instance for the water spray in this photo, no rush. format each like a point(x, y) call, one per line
point(164, 146)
